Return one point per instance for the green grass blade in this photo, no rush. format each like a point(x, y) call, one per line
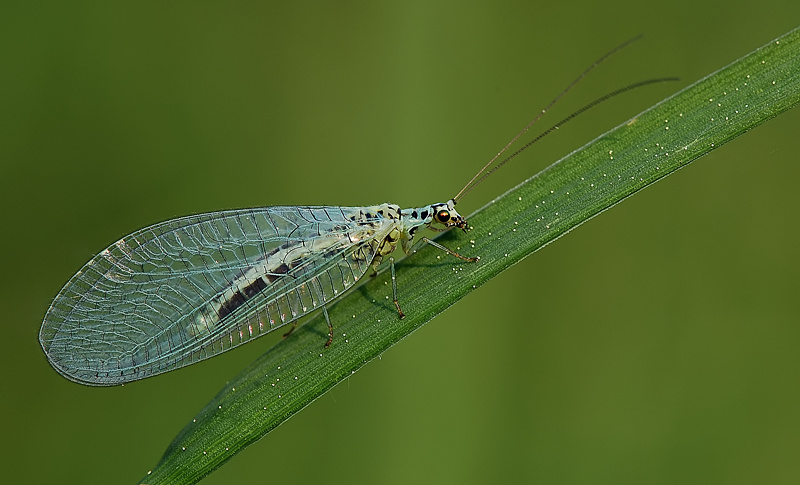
point(652, 145)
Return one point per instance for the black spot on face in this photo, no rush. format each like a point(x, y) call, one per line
point(424, 215)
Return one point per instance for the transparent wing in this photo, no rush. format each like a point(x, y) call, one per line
point(187, 289)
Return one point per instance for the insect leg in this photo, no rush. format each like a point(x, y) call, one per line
point(316, 288)
point(294, 326)
point(330, 327)
point(449, 251)
point(394, 290)
point(327, 319)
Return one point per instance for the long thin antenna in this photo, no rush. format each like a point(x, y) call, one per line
point(554, 101)
point(556, 126)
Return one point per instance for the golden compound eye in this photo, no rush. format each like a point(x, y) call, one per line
point(443, 216)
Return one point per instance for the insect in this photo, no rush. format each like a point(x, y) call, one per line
point(187, 289)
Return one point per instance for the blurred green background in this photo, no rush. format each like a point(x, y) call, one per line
point(568, 368)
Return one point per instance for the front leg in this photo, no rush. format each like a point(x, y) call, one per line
point(394, 291)
point(450, 251)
